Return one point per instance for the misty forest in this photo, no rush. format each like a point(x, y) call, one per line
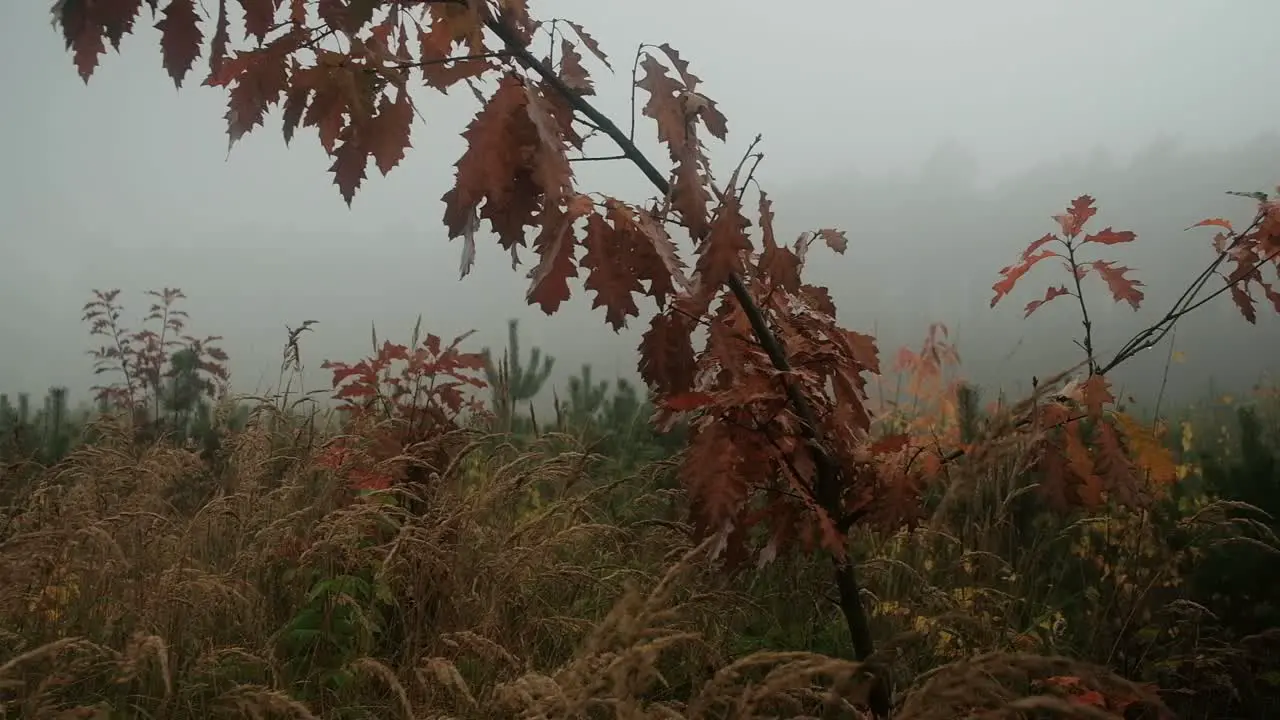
point(507, 359)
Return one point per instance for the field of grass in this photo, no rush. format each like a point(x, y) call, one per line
point(507, 570)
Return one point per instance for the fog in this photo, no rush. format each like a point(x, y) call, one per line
point(940, 135)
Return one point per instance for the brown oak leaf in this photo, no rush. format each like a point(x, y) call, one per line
point(656, 258)
point(835, 239)
point(389, 131)
point(556, 247)
point(257, 80)
point(221, 36)
point(723, 251)
point(572, 73)
point(180, 38)
point(1245, 302)
point(451, 23)
point(666, 106)
point(592, 45)
point(86, 26)
point(610, 274)
point(778, 265)
point(259, 17)
point(494, 169)
point(666, 354)
point(350, 159)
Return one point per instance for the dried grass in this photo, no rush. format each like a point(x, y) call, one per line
point(507, 587)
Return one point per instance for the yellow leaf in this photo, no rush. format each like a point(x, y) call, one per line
point(1227, 399)
point(887, 607)
point(945, 641)
point(964, 596)
point(1179, 356)
point(1148, 452)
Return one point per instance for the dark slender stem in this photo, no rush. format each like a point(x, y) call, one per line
point(456, 58)
point(635, 67)
point(1084, 309)
point(598, 158)
point(1164, 377)
point(1154, 334)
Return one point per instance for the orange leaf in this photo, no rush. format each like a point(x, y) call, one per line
point(1036, 245)
point(1110, 237)
point(1215, 222)
point(1096, 393)
point(1122, 288)
point(1012, 273)
point(1073, 220)
point(451, 23)
point(1092, 698)
point(1149, 453)
point(1051, 293)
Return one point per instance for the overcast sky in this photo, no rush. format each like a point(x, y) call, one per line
point(128, 183)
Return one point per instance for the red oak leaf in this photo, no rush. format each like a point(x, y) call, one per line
point(610, 275)
point(259, 17)
point(1122, 288)
point(1214, 222)
point(1110, 237)
point(180, 38)
point(1051, 293)
point(1073, 220)
point(388, 131)
point(1012, 273)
